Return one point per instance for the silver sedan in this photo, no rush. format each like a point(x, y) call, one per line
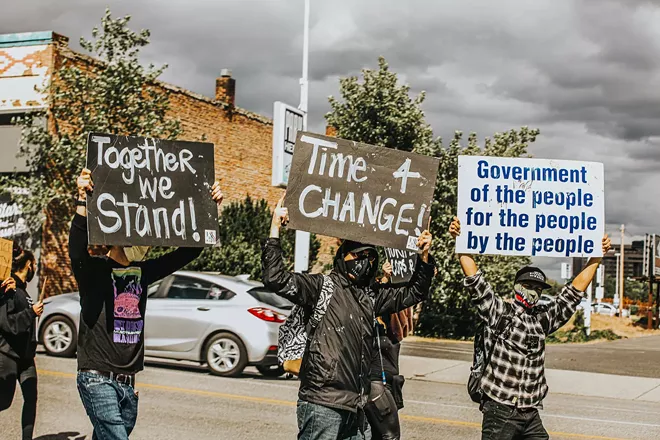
point(226, 323)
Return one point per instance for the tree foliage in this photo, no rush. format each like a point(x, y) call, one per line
point(114, 94)
point(242, 227)
point(379, 111)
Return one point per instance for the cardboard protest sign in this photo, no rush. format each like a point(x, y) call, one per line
point(403, 264)
point(6, 257)
point(150, 192)
point(359, 192)
point(533, 207)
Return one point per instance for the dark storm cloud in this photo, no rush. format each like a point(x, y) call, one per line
point(585, 72)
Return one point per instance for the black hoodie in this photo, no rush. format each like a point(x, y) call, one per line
point(17, 323)
point(336, 364)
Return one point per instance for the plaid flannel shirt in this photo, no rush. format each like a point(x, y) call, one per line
point(516, 373)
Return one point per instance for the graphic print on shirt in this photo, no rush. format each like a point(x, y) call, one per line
point(128, 292)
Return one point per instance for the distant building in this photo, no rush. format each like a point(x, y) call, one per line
point(633, 261)
point(243, 140)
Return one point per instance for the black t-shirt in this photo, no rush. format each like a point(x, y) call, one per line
point(113, 300)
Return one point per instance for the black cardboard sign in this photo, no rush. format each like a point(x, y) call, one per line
point(151, 192)
point(359, 192)
point(403, 264)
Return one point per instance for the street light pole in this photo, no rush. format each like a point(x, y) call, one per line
point(623, 274)
point(301, 262)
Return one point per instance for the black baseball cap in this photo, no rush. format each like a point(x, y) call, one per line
point(532, 274)
point(349, 246)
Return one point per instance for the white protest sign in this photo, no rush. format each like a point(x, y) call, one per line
point(532, 207)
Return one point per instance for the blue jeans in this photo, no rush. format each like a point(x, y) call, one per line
point(317, 422)
point(111, 406)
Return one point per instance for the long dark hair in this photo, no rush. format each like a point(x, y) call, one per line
point(20, 258)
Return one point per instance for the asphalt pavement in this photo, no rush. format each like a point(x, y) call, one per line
point(627, 357)
point(183, 402)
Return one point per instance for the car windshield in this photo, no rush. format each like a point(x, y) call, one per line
point(270, 298)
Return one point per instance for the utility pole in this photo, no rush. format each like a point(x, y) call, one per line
point(618, 274)
point(648, 257)
point(301, 262)
point(623, 275)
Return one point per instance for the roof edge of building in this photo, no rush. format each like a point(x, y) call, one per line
point(71, 54)
point(30, 38)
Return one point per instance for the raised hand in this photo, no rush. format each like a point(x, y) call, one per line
point(424, 244)
point(280, 218)
point(8, 285)
point(607, 244)
point(216, 193)
point(84, 183)
point(455, 228)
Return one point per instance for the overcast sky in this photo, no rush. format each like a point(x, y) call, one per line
point(587, 73)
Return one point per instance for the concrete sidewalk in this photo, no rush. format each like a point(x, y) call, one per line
point(560, 381)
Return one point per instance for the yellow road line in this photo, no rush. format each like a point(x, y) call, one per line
point(433, 420)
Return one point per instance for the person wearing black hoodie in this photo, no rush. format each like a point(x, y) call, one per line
point(335, 370)
point(18, 342)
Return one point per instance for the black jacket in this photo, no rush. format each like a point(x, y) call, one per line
point(336, 364)
point(17, 323)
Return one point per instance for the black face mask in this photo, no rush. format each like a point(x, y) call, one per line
point(359, 270)
point(30, 275)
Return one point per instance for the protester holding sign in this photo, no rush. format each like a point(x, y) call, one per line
point(18, 340)
point(513, 384)
point(335, 371)
point(113, 283)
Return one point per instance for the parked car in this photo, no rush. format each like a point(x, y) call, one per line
point(226, 323)
point(608, 309)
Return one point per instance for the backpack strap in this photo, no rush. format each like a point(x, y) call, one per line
point(327, 289)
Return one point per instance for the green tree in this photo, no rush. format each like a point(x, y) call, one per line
point(114, 93)
point(242, 227)
point(379, 111)
point(449, 312)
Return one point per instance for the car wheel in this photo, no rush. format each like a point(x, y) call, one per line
point(225, 355)
point(271, 370)
point(59, 337)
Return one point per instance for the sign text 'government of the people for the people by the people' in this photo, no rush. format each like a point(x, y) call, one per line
point(151, 192)
point(534, 207)
point(360, 192)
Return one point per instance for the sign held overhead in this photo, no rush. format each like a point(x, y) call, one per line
point(532, 207)
point(150, 192)
point(360, 192)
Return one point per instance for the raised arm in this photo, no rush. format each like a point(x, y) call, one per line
point(392, 299)
point(563, 307)
point(78, 232)
point(301, 289)
point(490, 307)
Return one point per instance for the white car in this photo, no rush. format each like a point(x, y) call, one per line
point(224, 322)
point(608, 309)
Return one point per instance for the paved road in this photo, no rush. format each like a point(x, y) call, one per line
point(185, 403)
point(627, 357)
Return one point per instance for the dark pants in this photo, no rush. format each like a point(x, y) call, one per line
point(25, 373)
point(111, 406)
point(503, 422)
point(317, 422)
point(382, 413)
